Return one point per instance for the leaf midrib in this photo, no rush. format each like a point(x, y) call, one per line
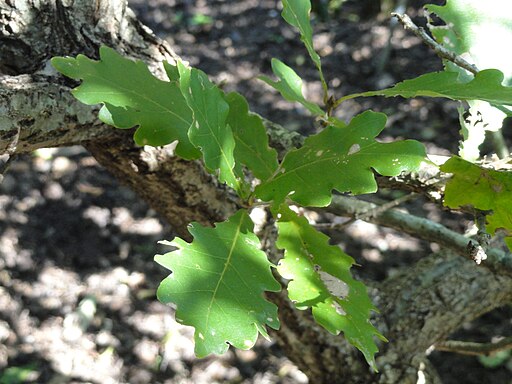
point(132, 92)
point(226, 266)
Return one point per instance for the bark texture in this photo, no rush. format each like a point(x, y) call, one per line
point(419, 307)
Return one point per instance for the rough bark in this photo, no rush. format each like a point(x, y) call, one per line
point(181, 191)
point(419, 307)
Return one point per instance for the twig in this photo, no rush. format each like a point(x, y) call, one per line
point(373, 211)
point(441, 51)
point(380, 209)
point(474, 349)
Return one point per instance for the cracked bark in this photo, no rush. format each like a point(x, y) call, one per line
point(418, 307)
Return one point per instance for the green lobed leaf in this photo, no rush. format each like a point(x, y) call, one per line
point(251, 138)
point(209, 130)
point(320, 279)
point(132, 96)
point(483, 189)
point(217, 284)
point(476, 30)
point(485, 86)
point(290, 86)
point(340, 157)
point(296, 13)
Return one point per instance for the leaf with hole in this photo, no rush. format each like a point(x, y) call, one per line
point(343, 158)
point(320, 279)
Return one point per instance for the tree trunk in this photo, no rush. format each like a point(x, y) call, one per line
point(419, 307)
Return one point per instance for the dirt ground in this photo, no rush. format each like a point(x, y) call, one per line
point(77, 277)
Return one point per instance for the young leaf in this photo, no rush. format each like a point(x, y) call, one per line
point(483, 189)
point(290, 86)
point(320, 279)
point(342, 158)
point(217, 284)
point(209, 130)
point(296, 13)
point(251, 138)
point(485, 86)
point(132, 96)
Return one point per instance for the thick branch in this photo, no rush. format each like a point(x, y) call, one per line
point(181, 191)
point(44, 114)
point(37, 103)
point(423, 305)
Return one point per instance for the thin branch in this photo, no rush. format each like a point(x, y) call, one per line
point(372, 212)
point(441, 51)
point(421, 228)
point(380, 209)
point(474, 349)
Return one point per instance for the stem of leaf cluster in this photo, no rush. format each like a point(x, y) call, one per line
point(345, 98)
point(325, 87)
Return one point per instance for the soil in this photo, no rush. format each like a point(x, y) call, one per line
point(77, 277)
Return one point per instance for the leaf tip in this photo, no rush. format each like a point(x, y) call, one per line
point(66, 65)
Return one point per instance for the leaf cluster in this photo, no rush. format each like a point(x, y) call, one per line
point(218, 280)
